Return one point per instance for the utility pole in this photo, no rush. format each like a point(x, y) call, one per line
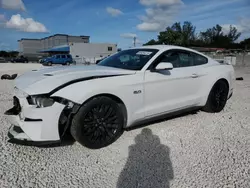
point(134, 41)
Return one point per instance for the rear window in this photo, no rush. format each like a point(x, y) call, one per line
point(199, 60)
point(68, 56)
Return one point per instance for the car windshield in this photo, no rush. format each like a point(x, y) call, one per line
point(131, 59)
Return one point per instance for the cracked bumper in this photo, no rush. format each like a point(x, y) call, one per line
point(34, 126)
point(17, 136)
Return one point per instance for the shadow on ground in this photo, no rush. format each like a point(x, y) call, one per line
point(148, 163)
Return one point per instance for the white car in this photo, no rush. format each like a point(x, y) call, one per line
point(97, 102)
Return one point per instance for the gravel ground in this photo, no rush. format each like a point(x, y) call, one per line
point(196, 150)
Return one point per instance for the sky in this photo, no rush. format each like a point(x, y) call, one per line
point(115, 21)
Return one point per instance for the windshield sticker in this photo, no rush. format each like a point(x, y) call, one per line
point(143, 53)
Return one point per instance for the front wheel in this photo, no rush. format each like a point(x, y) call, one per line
point(98, 123)
point(217, 98)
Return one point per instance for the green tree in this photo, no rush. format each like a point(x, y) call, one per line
point(4, 54)
point(178, 34)
point(13, 53)
point(151, 42)
point(185, 35)
point(245, 44)
point(215, 37)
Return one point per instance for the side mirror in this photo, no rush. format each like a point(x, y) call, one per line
point(164, 66)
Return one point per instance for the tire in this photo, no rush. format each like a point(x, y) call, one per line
point(67, 63)
point(49, 64)
point(98, 123)
point(217, 98)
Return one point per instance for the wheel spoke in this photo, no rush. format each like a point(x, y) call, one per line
point(89, 131)
point(108, 113)
point(111, 119)
point(111, 126)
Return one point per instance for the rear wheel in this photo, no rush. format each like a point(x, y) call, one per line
point(217, 98)
point(49, 64)
point(67, 63)
point(98, 123)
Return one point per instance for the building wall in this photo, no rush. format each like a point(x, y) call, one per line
point(30, 47)
point(76, 39)
point(92, 51)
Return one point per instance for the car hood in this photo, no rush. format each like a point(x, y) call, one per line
point(45, 80)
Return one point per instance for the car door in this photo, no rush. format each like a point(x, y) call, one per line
point(58, 59)
point(171, 90)
point(63, 59)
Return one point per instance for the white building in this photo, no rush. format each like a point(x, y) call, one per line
point(90, 52)
point(78, 46)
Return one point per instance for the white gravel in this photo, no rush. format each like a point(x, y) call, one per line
point(197, 150)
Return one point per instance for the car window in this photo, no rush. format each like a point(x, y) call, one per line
point(63, 56)
point(125, 58)
point(69, 56)
point(199, 60)
point(131, 59)
point(58, 57)
point(178, 58)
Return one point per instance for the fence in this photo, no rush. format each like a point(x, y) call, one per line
point(242, 60)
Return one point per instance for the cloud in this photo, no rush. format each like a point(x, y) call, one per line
point(159, 14)
point(25, 24)
point(12, 4)
point(114, 12)
point(226, 28)
point(128, 35)
point(243, 26)
point(201, 7)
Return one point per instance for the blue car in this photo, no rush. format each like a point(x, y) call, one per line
point(59, 59)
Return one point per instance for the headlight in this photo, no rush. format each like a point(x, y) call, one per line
point(40, 101)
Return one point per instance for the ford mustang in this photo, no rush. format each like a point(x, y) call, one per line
point(96, 103)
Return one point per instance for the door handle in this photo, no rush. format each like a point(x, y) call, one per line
point(194, 75)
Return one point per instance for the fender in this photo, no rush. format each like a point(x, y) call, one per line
point(121, 87)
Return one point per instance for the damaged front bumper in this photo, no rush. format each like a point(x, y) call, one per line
point(18, 136)
point(34, 126)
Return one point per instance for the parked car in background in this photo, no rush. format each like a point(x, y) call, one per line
point(20, 59)
point(96, 103)
point(60, 59)
point(2, 60)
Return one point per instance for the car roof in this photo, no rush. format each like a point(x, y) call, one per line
point(162, 47)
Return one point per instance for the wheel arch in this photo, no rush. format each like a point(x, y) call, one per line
point(222, 79)
point(61, 126)
point(116, 99)
point(212, 85)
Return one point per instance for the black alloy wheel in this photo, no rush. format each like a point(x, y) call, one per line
point(217, 98)
point(98, 123)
